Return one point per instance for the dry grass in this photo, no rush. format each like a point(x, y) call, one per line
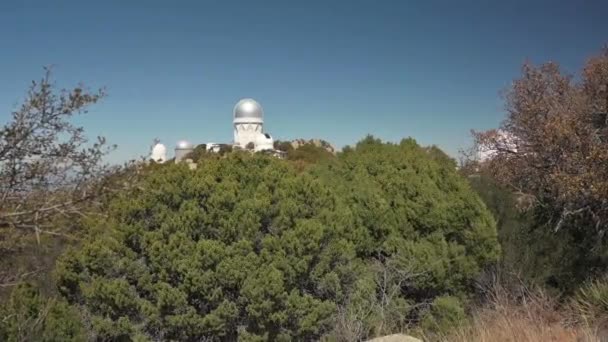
point(526, 316)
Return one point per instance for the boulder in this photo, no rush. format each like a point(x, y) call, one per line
point(395, 338)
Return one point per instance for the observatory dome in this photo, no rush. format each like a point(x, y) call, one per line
point(248, 108)
point(183, 144)
point(159, 153)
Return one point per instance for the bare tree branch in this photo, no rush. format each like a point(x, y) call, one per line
point(48, 167)
point(552, 149)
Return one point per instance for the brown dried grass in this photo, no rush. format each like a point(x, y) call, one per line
point(526, 316)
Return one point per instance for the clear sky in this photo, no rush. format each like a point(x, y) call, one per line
point(335, 70)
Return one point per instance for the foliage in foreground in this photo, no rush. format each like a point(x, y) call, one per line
point(530, 315)
point(246, 247)
point(51, 176)
point(591, 300)
point(552, 150)
point(48, 167)
point(524, 251)
point(241, 246)
point(424, 232)
point(29, 316)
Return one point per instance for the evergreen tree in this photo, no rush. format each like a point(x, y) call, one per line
point(417, 224)
point(241, 247)
point(246, 247)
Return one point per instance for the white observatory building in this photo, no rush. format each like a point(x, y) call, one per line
point(182, 149)
point(248, 119)
point(159, 153)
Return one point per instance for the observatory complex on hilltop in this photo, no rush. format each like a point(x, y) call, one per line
point(248, 121)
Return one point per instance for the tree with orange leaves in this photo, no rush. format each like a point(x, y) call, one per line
point(552, 150)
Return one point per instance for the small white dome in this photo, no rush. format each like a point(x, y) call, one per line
point(183, 144)
point(248, 108)
point(159, 153)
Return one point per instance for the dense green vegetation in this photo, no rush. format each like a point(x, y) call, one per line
point(247, 247)
point(530, 253)
point(513, 226)
point(309, 153)
point(29, 316)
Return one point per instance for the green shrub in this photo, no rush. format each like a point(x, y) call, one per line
point(309, 153)
point(28, 316)
point(246, 247)
point(445, 314)
point(591, 300)
point(242, 246)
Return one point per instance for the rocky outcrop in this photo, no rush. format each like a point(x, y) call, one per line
point(317, 142)
point(395, 338)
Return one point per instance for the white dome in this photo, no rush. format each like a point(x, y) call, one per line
point(159, 153)
point(183, 144)
point(248, 108)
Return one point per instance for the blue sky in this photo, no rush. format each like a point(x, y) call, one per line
point(336, 70)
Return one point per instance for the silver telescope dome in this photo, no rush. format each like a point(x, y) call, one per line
point(248, 108)
point(183, 144)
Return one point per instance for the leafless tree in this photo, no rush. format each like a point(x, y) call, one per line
point(48, 167)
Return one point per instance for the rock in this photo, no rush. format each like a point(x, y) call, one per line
point(316, 142)
point(395, 338)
